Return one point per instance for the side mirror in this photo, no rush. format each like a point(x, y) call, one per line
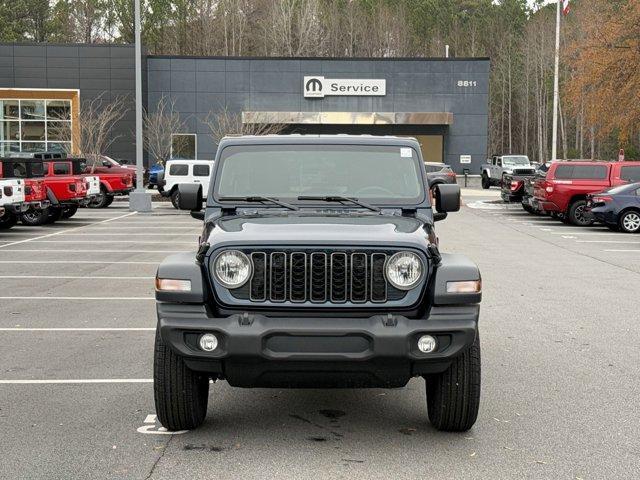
point(198, 215)
point(489, 161)
point(190, 196)
point(106, 164)
point(447, 198)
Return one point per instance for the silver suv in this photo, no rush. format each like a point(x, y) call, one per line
point(498, 165)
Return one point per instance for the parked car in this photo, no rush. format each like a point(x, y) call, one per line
point(115, 180)
point(439, 174)
point(323, 284)
point(66, 191)
point(519, 187)
point(184, 171)
point(618, 207)
point(498, 165)
point(11, 201)
point(31, 171)
point(154, 171)
point(563, 192)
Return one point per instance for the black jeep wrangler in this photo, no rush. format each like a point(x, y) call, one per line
point(318, 266)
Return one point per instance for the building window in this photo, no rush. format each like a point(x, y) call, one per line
point(183, 146)
point(35, 126)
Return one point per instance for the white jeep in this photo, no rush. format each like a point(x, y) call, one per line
point(184, 171)
point(11, 201)
point(498, 165)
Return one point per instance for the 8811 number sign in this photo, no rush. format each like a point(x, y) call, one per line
point(467, 83)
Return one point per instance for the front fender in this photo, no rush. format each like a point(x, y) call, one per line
point(182, 266)
point(455, 268)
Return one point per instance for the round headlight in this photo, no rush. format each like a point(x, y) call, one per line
point(404, 270)
point(232, 268)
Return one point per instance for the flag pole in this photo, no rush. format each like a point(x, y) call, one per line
point(554, 135)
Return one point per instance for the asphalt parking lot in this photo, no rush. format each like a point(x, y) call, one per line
point(561, 364)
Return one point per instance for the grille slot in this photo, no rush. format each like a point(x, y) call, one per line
point(318, 276)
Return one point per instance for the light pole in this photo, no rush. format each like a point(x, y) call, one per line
point(139, 200)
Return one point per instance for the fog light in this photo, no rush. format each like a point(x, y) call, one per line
point(208, 342)
point(427, 344)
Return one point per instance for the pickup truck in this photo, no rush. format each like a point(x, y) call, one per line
point(518, 188)
point(319, 267)
point(31, 171)
point(115, 180)
point(183, 171)
point(563, 192)
point(498, 165)
point(65, 190)
point(11, 201)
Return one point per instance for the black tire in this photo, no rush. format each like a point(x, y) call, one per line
point(181, 395)
point(613, 228)
point(101, 200)
point(55, 214)
point(453, 396)
point(529, 209)
point(486, 183)
point(175, 199)
point(8, 220)
point(110, 199)
point(576, 214)
point(630, 221)
point(35, 218)
point(69, 211)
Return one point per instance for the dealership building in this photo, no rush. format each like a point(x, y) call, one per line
point(443, 102)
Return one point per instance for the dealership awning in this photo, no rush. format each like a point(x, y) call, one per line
point(350, 118)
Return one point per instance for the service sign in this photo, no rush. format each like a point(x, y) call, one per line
point(319, 87)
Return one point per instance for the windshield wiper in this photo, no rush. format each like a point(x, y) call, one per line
point(259, 199)
point(339, 198)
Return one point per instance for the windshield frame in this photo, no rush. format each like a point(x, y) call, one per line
point(381, 202)
point(505, 161)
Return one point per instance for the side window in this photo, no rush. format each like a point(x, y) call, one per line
point(37, 169)
point(493, 160)
point(589, 172)
point(19, 170)
point(60, 168)
point(564, 172)
point(179, 170)
point(631, 174)
point(201, 170)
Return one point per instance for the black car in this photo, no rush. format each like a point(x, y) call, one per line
point(318, 266)
point(618, 208)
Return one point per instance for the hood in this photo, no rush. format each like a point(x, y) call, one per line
point(297, 228)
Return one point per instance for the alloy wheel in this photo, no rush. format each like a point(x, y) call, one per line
point(631, 222)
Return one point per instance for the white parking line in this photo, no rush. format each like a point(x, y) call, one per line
point(608, 241)
point(77, 298)
point(629, 251)
point(620, 234)
point(81, 329)
point(88, 242)
point(76, 381)
point(97, 262)
point(59, 232)
point(74, 277)
point(66, 250)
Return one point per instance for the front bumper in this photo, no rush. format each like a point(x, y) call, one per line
point(259, 351)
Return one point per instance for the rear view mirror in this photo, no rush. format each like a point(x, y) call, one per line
point(190, 196)
point(447, 198)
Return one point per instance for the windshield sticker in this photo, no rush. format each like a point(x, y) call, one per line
point(406, 152)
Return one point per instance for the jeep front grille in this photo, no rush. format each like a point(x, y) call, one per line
point(300, 276)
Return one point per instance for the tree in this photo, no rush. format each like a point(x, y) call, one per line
point(605, 63)
point(159, 127)
point(225, 123)
point(92, 136)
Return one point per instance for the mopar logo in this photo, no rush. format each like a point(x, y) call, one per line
point(313, 85)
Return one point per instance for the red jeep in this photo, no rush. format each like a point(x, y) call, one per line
point(115, 179)
point(35, 191)
point(564, 190)
point(66, 191)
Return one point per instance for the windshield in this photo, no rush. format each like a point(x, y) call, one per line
point(623, 188)
point(387, 174)
point(518, 160)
